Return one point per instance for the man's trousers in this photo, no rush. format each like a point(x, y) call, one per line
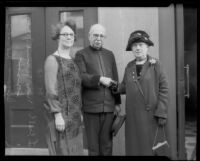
point(98, 132)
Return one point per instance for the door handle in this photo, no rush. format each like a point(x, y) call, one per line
point(5, 89)
point(187, 93)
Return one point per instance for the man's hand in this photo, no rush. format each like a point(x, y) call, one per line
point(114, 87)
point(59, 122)
point(105, 81)
point(117, 110)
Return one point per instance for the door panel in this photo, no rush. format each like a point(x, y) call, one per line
point(23, 82)
point(190, 57)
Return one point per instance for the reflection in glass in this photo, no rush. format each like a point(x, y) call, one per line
point(20, 55)
point(77, 16)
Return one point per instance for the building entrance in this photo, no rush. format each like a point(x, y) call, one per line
point(27, 44)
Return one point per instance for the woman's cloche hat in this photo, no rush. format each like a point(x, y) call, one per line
point(138, 36)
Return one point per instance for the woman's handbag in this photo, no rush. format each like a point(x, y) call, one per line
point(161, 147)
point(118, 121)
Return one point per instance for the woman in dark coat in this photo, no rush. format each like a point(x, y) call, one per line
point(146, 89)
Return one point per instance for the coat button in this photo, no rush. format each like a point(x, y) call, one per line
point(148, 107)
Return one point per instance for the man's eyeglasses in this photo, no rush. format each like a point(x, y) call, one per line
point(98, 35)
point(67, 34)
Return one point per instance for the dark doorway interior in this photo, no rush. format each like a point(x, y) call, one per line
point(190, 43)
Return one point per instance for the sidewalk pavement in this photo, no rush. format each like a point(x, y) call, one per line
point(190, 147)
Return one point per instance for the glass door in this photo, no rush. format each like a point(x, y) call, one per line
point(190, 57)
point(23, 78)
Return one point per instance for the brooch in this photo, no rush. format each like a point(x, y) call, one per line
point(152, 61)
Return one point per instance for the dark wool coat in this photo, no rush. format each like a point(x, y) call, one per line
point(92, 64)
point(146, 99)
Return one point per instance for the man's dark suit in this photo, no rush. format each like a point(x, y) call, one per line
point(98, 101)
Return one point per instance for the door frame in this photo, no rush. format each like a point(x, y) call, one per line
point(180, 77)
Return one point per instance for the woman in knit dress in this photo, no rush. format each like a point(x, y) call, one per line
point(63, 95)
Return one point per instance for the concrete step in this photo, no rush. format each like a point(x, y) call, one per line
point(26, 151)
point(30, 151)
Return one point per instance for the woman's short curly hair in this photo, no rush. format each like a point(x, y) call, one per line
point(57, 28)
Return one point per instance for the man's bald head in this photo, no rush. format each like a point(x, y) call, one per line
point(96, 36)
point(97, 27)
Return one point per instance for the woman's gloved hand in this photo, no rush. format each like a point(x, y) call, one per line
point(114, 86)
point(162, 121)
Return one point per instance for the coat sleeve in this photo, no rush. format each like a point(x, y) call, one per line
point(163, 92)
point(115, 77)
point(52, 104)
point(122, 85)
point(88, 80)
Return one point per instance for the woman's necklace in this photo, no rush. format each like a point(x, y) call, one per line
point(66, 57)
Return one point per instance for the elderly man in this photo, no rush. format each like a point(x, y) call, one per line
point(98, 68)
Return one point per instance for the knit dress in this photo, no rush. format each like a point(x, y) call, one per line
point(67, 100)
